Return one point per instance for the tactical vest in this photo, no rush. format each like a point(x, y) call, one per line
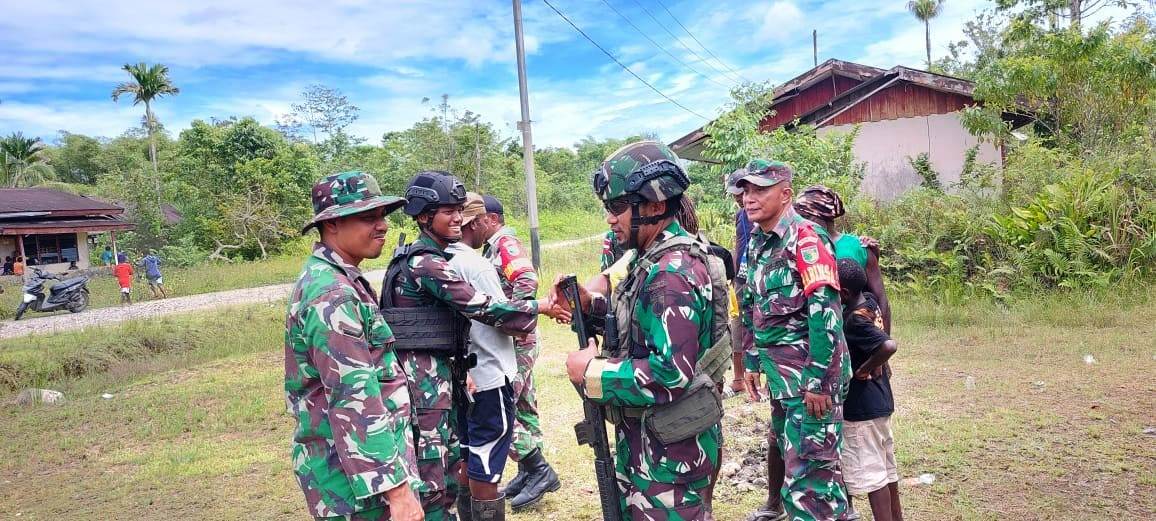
point(700, 406)
point(438, 330)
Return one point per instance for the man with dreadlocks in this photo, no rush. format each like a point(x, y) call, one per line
point(672, 343)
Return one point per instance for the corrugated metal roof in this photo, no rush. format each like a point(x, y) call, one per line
point(23, 200)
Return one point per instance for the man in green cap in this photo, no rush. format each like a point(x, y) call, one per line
point(353, 448)
point(666, 345)
point(791, 305)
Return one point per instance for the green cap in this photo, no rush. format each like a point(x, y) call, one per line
point(763, 172)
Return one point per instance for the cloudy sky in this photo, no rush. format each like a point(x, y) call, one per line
point(59, 60)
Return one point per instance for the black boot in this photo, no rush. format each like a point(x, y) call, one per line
point(464, 500)
point(488, 510)
point(540, 480)
point(518, 482)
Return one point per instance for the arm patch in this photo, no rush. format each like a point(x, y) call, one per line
point(815, 261)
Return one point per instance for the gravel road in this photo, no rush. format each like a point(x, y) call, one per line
point(33, 325)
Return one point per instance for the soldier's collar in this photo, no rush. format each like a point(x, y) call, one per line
point(789, 217)
point(503, 231)
point(329, 255)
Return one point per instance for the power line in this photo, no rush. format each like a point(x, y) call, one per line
point(620, 64)
point(708, 51)
point(660, 47)
point(687, 47)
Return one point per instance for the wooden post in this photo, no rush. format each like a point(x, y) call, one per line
point(112, 235)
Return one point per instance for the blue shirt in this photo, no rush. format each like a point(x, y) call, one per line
point(106, 257)
point(742, 238)
point(152, 266)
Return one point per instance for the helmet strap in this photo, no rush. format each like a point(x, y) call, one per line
point(637, 220)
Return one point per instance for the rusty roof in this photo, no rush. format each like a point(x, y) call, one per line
point(35, 202)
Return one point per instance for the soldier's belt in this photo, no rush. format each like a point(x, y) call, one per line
point(432, 330)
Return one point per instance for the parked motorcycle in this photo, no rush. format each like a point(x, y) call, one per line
point(70, 294)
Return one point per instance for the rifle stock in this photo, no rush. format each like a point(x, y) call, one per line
point(592, 430)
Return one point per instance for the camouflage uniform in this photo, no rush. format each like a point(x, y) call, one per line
point(671, 330)
point(791, 305)
point(436, 283)
point(611, 251)
point(343, 384)
point(519, 282)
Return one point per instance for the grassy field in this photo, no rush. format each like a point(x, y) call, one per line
point(197, 427)
point(219, 276)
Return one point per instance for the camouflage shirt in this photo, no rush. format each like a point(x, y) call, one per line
point(791, 306)
point(672, 322)
point(343, 385)
point(611, 251)
point(505, 251)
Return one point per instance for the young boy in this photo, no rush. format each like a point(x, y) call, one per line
point(123, 272)
point(868, 456)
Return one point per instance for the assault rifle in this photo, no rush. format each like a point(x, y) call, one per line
point(592, 430)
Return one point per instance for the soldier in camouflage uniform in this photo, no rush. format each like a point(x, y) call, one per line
point(519, 282)
point(434, 200)
point(791, 305)
point(353, 451)
point(671, 330)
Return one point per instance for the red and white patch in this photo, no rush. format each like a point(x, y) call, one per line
point(815, 262)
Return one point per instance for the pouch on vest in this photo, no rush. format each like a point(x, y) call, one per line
point(697, 410)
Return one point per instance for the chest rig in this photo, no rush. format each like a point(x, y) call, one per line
point(436, 330)
point(700, 406)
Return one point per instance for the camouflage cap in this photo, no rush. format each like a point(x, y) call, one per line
point(348, 193)
point(819, 201)
point(474, 207)
point(762, 172)
point(733, 181)
point(647, 168)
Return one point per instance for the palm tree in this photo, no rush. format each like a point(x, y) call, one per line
point(23, 160)
point(925, 10)
point(149, 83)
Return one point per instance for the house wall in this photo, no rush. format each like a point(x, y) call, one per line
point(8, 247)
point(886, 145)
point(902, 100)
point(807, 99)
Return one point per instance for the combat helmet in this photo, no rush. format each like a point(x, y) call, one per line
point(431, 189)
point(646, 169)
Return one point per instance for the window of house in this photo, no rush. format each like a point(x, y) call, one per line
point(51, 249)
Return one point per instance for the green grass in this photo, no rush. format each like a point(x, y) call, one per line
point(201, 432)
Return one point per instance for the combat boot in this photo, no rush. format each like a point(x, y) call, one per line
point(518, 482)
point(488, 510)
point(464, 505)
point(540, 480)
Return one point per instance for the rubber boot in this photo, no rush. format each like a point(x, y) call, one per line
point(464, 502)
point(541, 479)
point(488, 510)
point(518, 482)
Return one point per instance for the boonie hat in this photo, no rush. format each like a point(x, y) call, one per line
point(348, 193)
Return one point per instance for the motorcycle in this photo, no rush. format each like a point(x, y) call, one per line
point(70, 294)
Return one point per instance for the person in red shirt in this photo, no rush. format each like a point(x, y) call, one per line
point(123, 272)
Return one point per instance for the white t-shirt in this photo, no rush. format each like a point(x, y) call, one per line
point(494, 349)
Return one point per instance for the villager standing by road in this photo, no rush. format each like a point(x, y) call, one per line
point(152, 266)
point(352, 450)
point(535, 477)
point(671, 345)
point(123, 272)
point(792, 307)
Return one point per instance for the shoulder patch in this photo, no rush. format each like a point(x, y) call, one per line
point(815, 261)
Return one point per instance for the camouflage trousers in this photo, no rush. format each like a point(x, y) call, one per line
point(374, 514)
point(438, 452)
point(813, 485)
point(665, 482)
point(527, 427)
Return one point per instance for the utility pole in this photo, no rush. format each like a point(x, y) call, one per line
point(527, 138)
point(815, 45)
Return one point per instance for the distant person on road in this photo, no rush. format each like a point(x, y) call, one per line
point(18, 267)
point(152, 266)
point(868, 455)
point(106, 256)
point(353, 445)
point(123, 272)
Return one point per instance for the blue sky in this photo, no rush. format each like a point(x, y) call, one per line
point(59, 60)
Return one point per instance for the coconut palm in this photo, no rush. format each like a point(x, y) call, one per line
point(150, 82)
point(22, 160)
point(925, 10)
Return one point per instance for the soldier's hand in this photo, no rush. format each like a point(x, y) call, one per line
point(403, 504)
point(818, 405)
point(553, 309)
point(560, 297)
point(753, 385)
point(471, 387)
point(577, 361)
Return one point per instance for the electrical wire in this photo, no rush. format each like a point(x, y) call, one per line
point(684, 45)
point(708, 51)
point(660, 47)
point(620, 64)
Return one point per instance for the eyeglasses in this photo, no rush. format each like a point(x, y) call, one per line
point(617, 206)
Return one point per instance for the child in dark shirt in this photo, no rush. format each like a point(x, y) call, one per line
point(868, 456)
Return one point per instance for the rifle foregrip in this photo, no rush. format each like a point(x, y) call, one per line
point(608, 490)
